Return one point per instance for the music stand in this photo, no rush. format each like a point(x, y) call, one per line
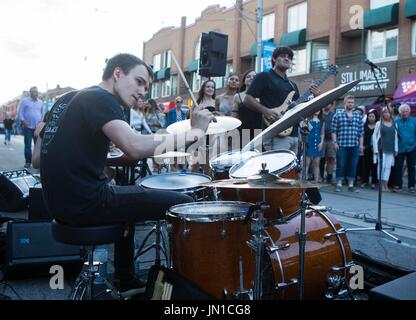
point(379, 226)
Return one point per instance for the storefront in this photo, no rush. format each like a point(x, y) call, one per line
point(367, 92)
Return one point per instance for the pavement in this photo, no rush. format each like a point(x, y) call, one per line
point(352, 210)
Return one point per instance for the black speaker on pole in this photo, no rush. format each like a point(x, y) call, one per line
point(14, 189)
point(213, 55)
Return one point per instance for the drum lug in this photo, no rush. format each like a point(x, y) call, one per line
point(342, 268)
point(339, 232)
point(278, 247)
point(223, 232)
point(243, 295)
point(284, 285)
point(186, 231)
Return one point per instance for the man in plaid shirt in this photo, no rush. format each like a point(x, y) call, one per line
point(348, 138)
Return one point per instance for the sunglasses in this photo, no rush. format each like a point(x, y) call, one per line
point(179, 101)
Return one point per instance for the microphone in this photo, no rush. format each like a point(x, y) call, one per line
point(371, 64)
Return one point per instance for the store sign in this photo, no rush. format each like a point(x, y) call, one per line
point(387, 77)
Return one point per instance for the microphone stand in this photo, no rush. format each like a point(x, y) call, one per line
point(379, 225)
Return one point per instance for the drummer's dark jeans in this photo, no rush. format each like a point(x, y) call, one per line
point(133, 204)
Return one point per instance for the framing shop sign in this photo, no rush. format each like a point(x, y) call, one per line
point(368, 86)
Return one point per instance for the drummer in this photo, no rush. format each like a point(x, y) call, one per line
point(272, 88)
point(73, 152)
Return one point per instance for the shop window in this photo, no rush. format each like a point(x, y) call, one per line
point(383, 44)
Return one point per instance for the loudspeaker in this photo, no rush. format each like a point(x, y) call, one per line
point(31, 244)
point(403, 288)
point(213, 54)
point(14, 189)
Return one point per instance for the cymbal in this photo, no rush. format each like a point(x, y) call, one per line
point(300, 112)
point(171, 155)
point(223, 124)
point(280, 184)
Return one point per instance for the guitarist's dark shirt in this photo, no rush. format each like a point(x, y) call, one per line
point(272, 90)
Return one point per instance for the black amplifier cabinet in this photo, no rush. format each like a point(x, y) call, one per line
point(31, 244)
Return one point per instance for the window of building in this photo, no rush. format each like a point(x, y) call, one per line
point(414, 39)
point(320, 56)
point(155, 90)
point(382, 44)
point(374, 4)
point(297, 17)
point(156, 62)
point(268, 27)
point(300, 61)
point(197, 51)
point(173, 85)
point(167, 58)
point(166, 88)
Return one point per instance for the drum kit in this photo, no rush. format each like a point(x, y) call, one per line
point(252, 234)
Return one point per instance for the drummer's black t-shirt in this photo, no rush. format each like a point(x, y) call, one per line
point(272, 89)
point(74, 152)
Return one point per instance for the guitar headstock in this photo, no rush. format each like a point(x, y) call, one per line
point(333, 69)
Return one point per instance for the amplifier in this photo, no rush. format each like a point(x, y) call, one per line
point(14, 189)
point(31, 243)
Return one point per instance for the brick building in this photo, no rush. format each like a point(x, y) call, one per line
point(322, 32)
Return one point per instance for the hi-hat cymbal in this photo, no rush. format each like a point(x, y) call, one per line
point(223, 124)
point(280, 184)
point(171, 155)
point(300, 112)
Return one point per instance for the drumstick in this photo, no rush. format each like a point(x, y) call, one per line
point(184, 80)
point(158, 289)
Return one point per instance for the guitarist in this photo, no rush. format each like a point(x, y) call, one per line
point(272, 88)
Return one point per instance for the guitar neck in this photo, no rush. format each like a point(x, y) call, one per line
point(306, 95)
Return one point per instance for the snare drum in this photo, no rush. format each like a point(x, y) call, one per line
point(207, 241)
point(185, 182)
point(284, 203)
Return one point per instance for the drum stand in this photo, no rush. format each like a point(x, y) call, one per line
point(305, 130)
point(257, 244)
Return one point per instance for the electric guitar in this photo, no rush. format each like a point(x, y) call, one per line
point(290, 104)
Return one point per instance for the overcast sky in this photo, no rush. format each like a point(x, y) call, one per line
point(65, 42)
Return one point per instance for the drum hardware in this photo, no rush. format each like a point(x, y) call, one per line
point(239, 295)
point(279, 247)
point(342, 268)
point(186, 230)
point(159, 244)
point(337, 233)
point(223, 233)
point(335, 283)
point(282, 286)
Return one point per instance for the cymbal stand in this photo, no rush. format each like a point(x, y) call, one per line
point(305, 129)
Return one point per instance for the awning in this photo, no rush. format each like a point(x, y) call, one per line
point(382, 17)
point(406, 91)
point(163, 74)
point(193, 66)
point(294, 39)
point(410, 9)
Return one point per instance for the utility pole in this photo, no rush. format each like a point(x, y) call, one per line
point(259, 35)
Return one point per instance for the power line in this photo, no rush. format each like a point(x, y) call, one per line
point(245, 18)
